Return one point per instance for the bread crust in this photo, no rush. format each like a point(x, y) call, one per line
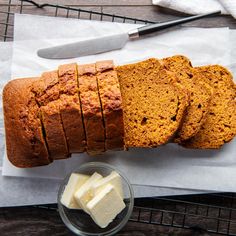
point(47, 92)
point(67, 76)
point(70, 108)
point(25, 143)
point(46, 88)
point(54, 130)
point(91, 109)
point(111, 101)
point(72, 123)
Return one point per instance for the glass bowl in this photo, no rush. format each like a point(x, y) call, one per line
point(80, 222)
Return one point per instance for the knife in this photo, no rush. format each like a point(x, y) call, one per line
point(111, 42)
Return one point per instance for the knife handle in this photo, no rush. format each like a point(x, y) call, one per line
point(151, 28)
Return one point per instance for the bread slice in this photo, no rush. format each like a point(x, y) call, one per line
point(72, 123)
point(46, 89)
point(67, 76)
point(91, 109)
point(220, 125)
point(200, 95)
point(54, 130)
point(25, 142)
point(47, 92)
point(70, 108)
point(153, 108)
point(54, 83)
point(111, 101)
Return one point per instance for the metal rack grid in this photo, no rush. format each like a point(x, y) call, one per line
point(20, 6)
point(211, 213)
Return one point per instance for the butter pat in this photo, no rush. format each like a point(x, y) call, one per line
point(114, 179)
point(84, 194)
point(74, 183)
point(105, 206)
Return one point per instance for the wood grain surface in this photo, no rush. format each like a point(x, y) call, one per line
point(38, 221)
point(43, 222)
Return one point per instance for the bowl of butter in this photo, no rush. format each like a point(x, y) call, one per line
point(95, 199)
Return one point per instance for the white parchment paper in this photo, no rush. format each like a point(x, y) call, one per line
point(5, 75)
point(170, 165)
point(15, 191)
point(202, 46)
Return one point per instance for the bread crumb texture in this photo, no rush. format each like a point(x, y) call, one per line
point(153, 108)
point(200, 94)
point(220, 124)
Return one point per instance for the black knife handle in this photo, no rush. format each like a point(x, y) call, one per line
point(151, 28)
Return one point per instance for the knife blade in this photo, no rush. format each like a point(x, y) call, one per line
point(85, 47)
point(112, 42)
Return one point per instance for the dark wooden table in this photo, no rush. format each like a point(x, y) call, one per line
point(38, 221)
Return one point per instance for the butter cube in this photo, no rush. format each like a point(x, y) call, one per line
point(83, 195)
point(105, 206)
point(74, 183)
point(114, 179)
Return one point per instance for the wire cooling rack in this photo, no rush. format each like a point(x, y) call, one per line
point(24, 6)
point(205, 213)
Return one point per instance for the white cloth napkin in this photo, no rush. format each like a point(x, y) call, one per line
point(199, 6)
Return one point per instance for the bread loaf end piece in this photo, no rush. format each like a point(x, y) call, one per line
point(25, 142)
